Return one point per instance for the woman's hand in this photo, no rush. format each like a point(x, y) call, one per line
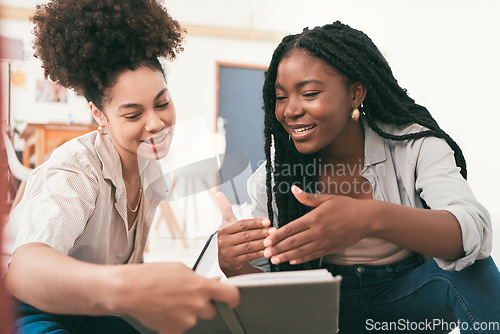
point(170, 297)
point(167, 297)
point(335, 223)
point(239, 241)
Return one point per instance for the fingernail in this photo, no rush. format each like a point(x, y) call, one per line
point(296, 189)
point(293, 262)
point(267, 242)
point(267, 253)
point(275, 260)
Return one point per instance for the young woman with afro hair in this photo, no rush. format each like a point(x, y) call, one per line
point(362, 181)
point(86, 212)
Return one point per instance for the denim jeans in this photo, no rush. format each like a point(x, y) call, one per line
point(414, 296)
point(30, 320)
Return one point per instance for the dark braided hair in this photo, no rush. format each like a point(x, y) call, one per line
point(85, 44)
point(355, 56)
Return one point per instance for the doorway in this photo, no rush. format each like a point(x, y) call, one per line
point(240, 115)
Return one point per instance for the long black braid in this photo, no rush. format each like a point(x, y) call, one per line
point(355, 56)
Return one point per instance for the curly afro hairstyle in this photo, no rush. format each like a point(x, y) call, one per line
point(85, 44)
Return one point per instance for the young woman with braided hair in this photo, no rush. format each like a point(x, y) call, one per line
point(83, 222)
point(362, 181)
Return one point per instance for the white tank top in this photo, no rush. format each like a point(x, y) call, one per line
point(369, 251)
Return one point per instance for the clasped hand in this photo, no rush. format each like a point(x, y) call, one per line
point(335, 223)
point(239, 241)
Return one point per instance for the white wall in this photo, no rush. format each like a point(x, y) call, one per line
point(23, 104)
point(445, 52)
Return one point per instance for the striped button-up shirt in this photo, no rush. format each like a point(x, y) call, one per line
point(76, 203)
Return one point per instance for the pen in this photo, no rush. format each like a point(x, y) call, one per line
point(203, 250)
point(207, 243)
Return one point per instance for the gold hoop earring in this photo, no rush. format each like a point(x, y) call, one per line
point(355, 115)
point(102, 130)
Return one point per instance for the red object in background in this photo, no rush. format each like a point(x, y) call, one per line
point(4, 170)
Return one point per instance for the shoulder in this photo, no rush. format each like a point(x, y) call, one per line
point(258, 178)
point(411, 155)
point(414, 147)
point(256, 184)
point(78, 154)
point(72, 168)
point(402, 130)
point(79, 147)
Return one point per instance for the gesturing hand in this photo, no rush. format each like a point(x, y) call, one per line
point(335, 223)
point(239, 241)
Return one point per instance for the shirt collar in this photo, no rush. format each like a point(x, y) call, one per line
point(153, 179)
point(374, 145)
point(153, 182)
point(110, 159)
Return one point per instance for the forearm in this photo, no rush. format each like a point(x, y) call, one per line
point(167, 297)
point(53, 282)
point(436, 233)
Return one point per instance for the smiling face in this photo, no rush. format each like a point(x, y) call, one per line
point(314, 104)
point(138, 114)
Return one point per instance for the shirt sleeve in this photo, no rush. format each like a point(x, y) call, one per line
point(442, 187)
point(60, 198)
point(256, 187)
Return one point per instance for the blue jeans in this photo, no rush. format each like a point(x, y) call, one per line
point(30, 320)
point(414, 296)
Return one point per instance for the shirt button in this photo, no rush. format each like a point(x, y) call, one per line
point(360, 269)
